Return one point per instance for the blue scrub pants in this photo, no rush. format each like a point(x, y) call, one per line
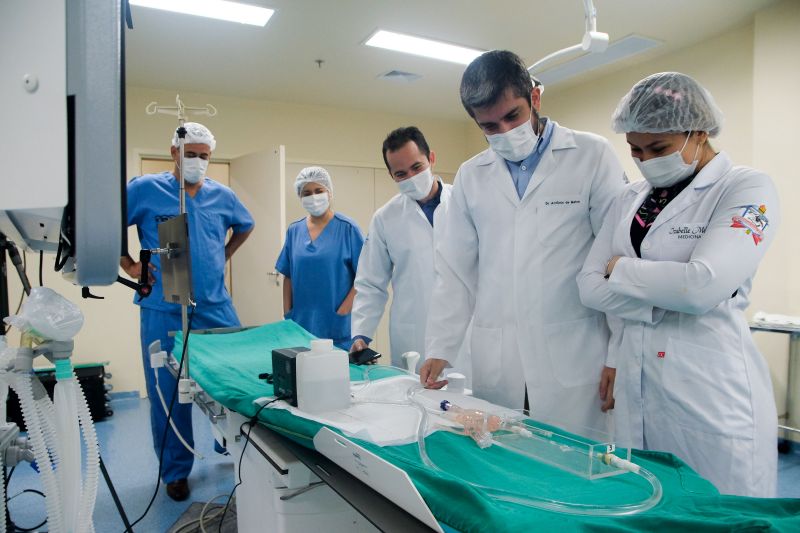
point(155, 325)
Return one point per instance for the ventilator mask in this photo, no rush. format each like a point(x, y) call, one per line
point(194, 169)
point(418, 186)
point(515, 144)
point(668, 170)
point(316, 204)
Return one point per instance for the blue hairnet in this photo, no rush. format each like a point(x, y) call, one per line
point(313, 175)
point(196, 133)
point(667, 102)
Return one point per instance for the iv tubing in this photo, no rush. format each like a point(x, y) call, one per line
point(172, 422)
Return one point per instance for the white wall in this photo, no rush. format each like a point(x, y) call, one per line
point(776, 77)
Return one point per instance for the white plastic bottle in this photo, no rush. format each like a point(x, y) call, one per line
point(323, 378)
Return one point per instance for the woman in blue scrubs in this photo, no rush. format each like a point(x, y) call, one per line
point(319, 260)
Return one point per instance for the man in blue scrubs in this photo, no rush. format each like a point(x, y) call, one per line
point(212, 210)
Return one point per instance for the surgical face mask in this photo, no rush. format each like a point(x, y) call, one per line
point(515, 144)
point(194, 169)
point(418, 186)
point(668, 170)
point(316, 204)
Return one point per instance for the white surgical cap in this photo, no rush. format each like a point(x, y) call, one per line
point(667, 102)
point(196, 133)
point(313, 175)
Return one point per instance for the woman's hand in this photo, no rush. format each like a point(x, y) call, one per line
point(611, 264)
point(347, 305)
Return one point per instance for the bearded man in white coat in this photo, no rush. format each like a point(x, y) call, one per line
point(522, 217)
point(399, 248)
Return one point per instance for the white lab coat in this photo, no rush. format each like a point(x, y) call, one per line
point(690, 380)
point(514, 263)
point(398, 249)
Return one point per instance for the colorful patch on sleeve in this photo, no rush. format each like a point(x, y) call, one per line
point(753, 220)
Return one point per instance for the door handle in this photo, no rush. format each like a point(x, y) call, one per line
point(276, 275)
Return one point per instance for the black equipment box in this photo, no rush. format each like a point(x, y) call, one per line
point(93, 382)
point(284, 373)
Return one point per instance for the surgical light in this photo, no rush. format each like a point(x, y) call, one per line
point(422, 47)
point(215, 9)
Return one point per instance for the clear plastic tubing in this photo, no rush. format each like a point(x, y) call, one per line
point(69, 443)
point(539, 503)
point(24, 389)
point(92, 474)
point(507, 496)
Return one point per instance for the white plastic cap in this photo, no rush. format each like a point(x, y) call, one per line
point(196, 133)
point(456, 382)
point(322, 345)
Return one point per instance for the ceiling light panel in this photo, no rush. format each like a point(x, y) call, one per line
point(215, 9)
point(422, 47)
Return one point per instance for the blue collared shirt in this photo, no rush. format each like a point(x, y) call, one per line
point(522, 171)
point(430, 206)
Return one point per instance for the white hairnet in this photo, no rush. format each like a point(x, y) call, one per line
point(667, 102)
point(196, 133)
point(313, 175)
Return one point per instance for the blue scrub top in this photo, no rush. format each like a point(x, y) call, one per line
point(154, 198)
point(322, 273)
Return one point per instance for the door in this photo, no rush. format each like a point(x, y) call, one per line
point(259, 181)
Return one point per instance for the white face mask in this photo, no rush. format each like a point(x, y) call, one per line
point(194, 169)
point(515, 144)
point(667, 170)
point(418, 186)
point(316, 204)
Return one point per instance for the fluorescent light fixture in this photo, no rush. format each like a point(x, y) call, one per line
point(422, 47)
point(215, 9)
point(624, 48)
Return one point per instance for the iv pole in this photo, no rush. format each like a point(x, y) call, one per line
point(180, 110)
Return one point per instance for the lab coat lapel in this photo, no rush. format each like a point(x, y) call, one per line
point(627, 219)
point(561, 139)
point(715, 168)
point(413, 206)
point(499, 177)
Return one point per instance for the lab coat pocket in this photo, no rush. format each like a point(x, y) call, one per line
point(557, 217)
point(707, 390)
point(577, 350)
point(486, 347)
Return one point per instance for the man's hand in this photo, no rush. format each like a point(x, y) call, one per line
point(607, 378)
point(134, 269)
point(358, 345)
point(430, 370)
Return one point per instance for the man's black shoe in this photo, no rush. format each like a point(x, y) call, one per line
point(178, 490)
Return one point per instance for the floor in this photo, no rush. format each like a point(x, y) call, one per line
point(126, 447)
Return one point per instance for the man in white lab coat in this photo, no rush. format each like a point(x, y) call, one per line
point(522, 216)
point(399, 248)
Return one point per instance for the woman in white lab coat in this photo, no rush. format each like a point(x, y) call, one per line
point(675, 261)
